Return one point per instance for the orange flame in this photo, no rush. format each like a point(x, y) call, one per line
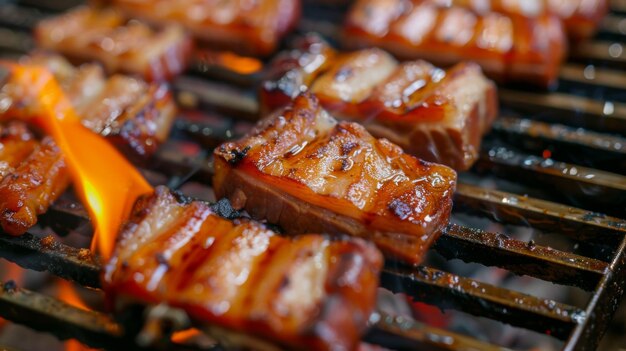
point(106, 182)
point(232, 61)
point(68, 294)
point(182, 336)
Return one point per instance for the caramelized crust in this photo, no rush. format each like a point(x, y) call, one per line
point(30, 183)
point(303, 170)
point(134, 115)
point(581, 17)
point(248, 27)
point(508, 48)
point(88, 34)
point(435, 115)
point(306, 293)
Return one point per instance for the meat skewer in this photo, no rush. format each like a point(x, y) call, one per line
point(134, 115)
point(508, 48)
point(32, 175)
point(580, 17)
point(247, 27)
point(241, 282)
point(91, 34)
point(306, 172)
point(439, 116)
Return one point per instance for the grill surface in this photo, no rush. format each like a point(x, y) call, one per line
point(589, 174)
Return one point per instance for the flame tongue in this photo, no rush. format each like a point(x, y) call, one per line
point(106, 182)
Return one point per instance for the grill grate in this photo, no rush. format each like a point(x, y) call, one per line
point(508, 152)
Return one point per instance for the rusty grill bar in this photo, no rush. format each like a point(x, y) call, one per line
point(509, 151)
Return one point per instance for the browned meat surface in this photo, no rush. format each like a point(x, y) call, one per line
point(95, 34)
point(248, 27)
point(240, 281)
point(436, 115)
point(581, 17)
point(134, 115)
point(32, 175)
point(508, 48)
point(303, 170)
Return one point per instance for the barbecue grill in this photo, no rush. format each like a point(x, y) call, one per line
point(568, 143)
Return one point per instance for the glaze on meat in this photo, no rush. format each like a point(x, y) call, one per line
point(134, 115)
point(580, 17)
point(240, 281)
point(93, 34)
point(508, 48)
point(306, 172)
point(437, 115)
point(32, 175)
point(248, 27)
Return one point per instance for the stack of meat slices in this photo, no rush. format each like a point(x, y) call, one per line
point(240, 281)
point(247, 27)
point(508, 48)
point(306, 172)
point(581, 17)
point(91, 34)
point(134, 115)
point(435, 115)
point(33, 174)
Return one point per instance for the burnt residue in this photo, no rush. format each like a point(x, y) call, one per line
point(182, 198)
point(224, 209)
point(236, 155)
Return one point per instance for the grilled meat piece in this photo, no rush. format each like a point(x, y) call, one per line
point(435, 115)
point(134, 115)
point(581, 17)
point(32, 175)
point(92, 34)
point(247, 27)
point(306, 293)
point(303, 170)
point(293, 71)
point(508, 48)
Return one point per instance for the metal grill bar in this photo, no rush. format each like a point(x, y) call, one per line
point(599, 150)
point(607, 52)
point(494, 249)
point(509, 208)
point(46, 254)
point(568, 109)
point(451, 291)
point(596, 76)
point(51, 315)
point(597, 190)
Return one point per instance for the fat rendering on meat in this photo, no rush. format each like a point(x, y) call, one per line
point(306, 172)
point(88, 34)
point(508, 48)
point(240, 281)
point(33, 174)
point(437, 115)
point(136, 116)
point(580, 17)
point(247, 27)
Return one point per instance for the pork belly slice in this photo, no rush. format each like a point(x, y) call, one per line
point(33, 174)
point(240, 281)
point(508, 48)
point(580, 17)
point(306, 172)
point(134, 115)
point(247, 27)
point(435, 115)
point(96, 34)
point(293, 71)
